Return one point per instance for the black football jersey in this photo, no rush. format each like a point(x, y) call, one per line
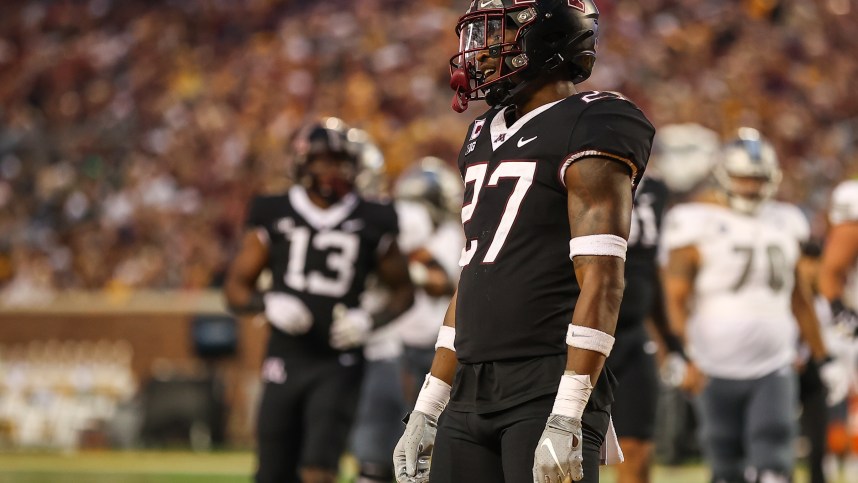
point(642, 257)
point(322, 256)
point(517, 288)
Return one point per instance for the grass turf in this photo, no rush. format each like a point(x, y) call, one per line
point(214, 467)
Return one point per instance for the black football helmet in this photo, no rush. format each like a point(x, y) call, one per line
point(504, 45)
point(328, 137)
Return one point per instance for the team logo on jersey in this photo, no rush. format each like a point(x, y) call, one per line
point(273, 370)
point(470, 148)
point(478, 128)
point(501, 138)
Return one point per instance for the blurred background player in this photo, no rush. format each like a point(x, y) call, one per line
point(632, 359)
point(386, 394)
point(321, 241)
point(684, 155)
point(434, 266)
point(838, 284)
point(733, 292)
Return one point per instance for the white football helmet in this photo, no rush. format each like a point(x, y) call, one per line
point(684, 154)
point(371, 180)
point(748, 156)
point(435, 184)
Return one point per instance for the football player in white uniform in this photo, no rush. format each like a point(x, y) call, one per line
point(434, 267)
point(838, 282)
point(732, 291)
point(426, 198)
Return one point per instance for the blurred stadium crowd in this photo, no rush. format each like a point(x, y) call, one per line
point(132, 133)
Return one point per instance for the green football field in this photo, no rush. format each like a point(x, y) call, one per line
point(185, 467)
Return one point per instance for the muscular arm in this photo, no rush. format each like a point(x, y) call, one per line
point(240, 284)
point(838, 258)
point(802, 308)
point(599, 202)
point(678, 277)
point(393, 272)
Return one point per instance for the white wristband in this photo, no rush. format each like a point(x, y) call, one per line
point(433, 396)
point(572, 395)
point(599, 245)
point(446, 338)
point(590, 339)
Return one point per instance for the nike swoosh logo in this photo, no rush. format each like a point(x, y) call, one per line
point(522, 141)
point(487, 3)
point(547, 443)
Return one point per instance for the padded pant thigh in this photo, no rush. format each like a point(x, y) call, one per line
point(462, 455)
point(636, 395)
point(329, 414)
point(771, 424)
point(499, 446)
point(279, 431)
point(721, 410)
point(379, 419)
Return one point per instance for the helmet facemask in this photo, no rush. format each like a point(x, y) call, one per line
point(748, 158)
point(505, 45)
point(489, 54)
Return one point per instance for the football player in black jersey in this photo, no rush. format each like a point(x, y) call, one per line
point(632, 359)
point(518, 391)
point(320, 241)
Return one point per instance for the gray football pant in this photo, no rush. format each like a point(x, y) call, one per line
point(748, 426)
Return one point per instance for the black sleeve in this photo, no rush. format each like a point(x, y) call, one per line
point(614, 128)
point(257, 212)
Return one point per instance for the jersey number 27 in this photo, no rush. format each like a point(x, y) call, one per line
point(523, 172)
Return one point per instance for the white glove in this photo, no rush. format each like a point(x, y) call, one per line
point(288, 313)
point(413, 452)
point(350, 328)
point(835, 376)
point(559, 455)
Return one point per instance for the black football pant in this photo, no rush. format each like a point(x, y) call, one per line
point(498, 447)
point(632, 361)
point(305, 417)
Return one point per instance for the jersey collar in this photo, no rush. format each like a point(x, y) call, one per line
point(499, 130)
point(321, 218)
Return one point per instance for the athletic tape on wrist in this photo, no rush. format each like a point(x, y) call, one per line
point(446, 338)
point(599, 245)
point(590, 339)
point(433, 396)
point(572, 395)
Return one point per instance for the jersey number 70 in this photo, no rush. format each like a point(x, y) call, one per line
point(523, 172)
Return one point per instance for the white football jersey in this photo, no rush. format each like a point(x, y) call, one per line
point(844, 209)
point(415, 227)
point(419, 325)
point(741, 324)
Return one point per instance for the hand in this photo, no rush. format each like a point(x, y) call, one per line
point(676, 371)
point(288, 313)
point(835, 376)
point(559, 455)
point(413, 452)
point(844, 319)
point(350, 328)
